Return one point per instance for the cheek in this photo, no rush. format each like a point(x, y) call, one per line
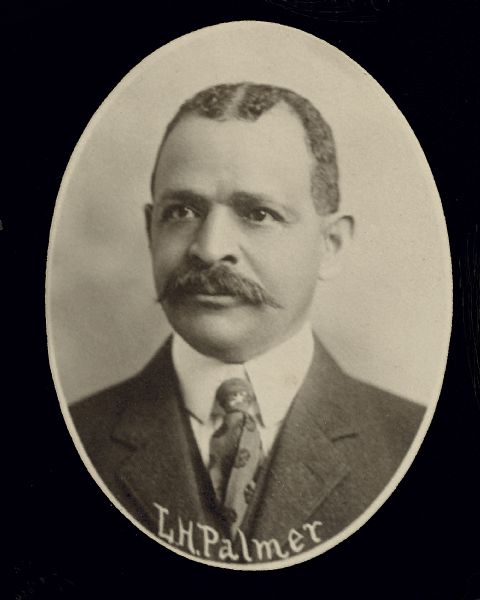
point(167, 253)
point(290, 263)
point(169, 243)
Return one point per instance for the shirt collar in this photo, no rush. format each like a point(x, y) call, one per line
point(276, 375)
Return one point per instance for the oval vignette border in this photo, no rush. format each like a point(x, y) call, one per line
point(160, 54)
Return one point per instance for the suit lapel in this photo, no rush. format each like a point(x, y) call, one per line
point(161, 467)
point(306, 464)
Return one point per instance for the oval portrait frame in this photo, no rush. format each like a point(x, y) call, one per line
point(98, 254)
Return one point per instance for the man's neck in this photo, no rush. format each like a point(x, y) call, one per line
point(276, 375)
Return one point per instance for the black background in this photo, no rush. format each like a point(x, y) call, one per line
point(61, 61)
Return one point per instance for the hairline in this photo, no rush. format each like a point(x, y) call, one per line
point(322, 206)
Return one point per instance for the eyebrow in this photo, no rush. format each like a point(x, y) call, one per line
point(250, 199)
point(181, 196)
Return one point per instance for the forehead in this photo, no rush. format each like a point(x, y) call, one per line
point(269, 152)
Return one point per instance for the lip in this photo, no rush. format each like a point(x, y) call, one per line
point(215, 300)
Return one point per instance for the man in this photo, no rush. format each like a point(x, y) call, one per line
point(242, 440)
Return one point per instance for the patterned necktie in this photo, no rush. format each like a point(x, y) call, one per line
point(235, 450)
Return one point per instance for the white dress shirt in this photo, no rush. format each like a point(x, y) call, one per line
point(275, 376)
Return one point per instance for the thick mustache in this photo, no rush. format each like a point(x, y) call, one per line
point(216, 280)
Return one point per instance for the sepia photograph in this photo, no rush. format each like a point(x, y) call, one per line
point(242, 246)
point(249, 296)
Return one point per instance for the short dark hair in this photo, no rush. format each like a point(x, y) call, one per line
point(248, 101)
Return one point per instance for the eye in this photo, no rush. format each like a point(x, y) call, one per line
point(179, 212)
point(262, 215)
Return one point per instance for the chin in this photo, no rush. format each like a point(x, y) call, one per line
point(224, 338)
point(222, 345)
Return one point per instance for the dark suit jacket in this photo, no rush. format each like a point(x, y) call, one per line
point(339, 446)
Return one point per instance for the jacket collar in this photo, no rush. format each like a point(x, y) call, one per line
point(305, 466)
point(162, 467)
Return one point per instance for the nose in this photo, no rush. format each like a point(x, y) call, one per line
point(216, 238)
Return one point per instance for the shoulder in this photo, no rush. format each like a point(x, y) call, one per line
point(386, 420)
point(386, 423)
point(385, 406)
point(102, 408)
point(96, 414)
point(363, 402)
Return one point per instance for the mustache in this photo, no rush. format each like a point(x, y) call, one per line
point(216, 280)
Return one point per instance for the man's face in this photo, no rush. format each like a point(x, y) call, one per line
point(236, 194)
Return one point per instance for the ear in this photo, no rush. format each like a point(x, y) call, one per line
point(148, 211)
point(338, 234)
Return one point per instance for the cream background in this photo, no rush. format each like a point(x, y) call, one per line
point(386, 318)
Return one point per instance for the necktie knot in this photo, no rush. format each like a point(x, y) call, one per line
point(235, 395)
